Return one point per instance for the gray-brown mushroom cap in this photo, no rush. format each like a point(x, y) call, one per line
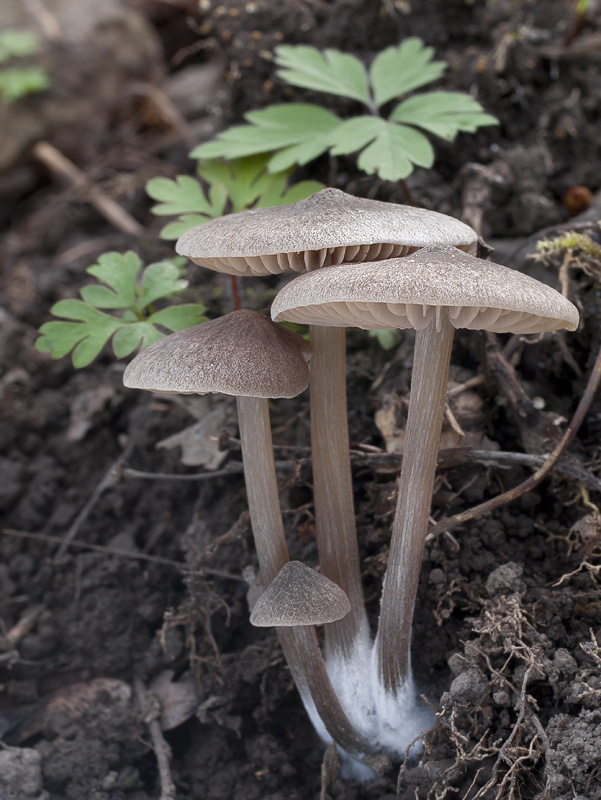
point(299, 596)
point(243, 354)
point(409, 292)
point(328, 228)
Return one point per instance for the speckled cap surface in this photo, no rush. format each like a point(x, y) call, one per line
point(410, 292)
point(243, 354)
point(299, 595)
point(328, 228)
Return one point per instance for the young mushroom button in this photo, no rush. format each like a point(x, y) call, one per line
point(434, 291)
point(300, 596)
point(296, 600)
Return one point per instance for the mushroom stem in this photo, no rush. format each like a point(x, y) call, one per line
point(308, 669)
point(422, 438)
point(262, 486)
point(332, 488)
point(299, 643)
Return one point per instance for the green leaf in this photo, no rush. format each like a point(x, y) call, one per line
point(173, 230)
point(242, 179)
point(269, 129)
point(297, 133)
point(59, 338)
point(244, 182)
point(248, 183)
point(299, 154)
point(329, 71)
point(178, 318)
point(17, 44)
point(17, 82)
point(160, 280)
point(86, 336)
point(391, 150)
point(443, 113)
point(273, 196)
point(130, 337)
point(398, 70)
point(89, 348)
point(80, 311)
point(119, 272)
point(86, 329)
point(184, 195)
point(387, 339)
point(354, 134)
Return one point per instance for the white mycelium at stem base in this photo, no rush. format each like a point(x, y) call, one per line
point(299, 643)
point(434, 290)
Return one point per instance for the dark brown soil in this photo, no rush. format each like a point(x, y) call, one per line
point(505, 650)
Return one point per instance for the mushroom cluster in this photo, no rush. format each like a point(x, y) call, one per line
point(371, 265)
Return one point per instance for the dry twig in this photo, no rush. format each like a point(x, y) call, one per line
point(60, 165)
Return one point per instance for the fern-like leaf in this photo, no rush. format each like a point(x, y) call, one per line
point(401, 69)
point(328, 71)
point(387, 149)
point(444, 114)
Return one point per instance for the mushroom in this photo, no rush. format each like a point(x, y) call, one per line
point(434, 290)
point(326, 229)
point(296, 600)
point(299, 596)
point(329, 228)
point(247, 355)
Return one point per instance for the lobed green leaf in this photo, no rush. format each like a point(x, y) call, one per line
point(444, 114)
point(184, 195)
point(160, 280)
point(17, 44)
point(401, 69)
point(299, 153)
point(119, 271)
point(133, 336)
point(243, 180)
point(328, 71)
point(177, 318)
point(269, 129)
point(85, 338)
point(16, 82)
point(173, 230)
point(85, 329)
point(388, 149)
point(79, 311)
point(280, 196)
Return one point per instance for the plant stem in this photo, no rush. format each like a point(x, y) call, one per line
point(299, 644)
point(422, 438)
point(332, 486)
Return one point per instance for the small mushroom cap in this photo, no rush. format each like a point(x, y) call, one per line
point(242, 353)
point(410, 292)
point(299, 595)
point(331, 227)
